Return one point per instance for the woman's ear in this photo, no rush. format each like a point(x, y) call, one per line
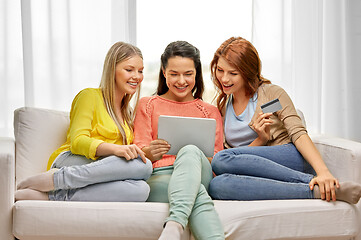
point(163, 70)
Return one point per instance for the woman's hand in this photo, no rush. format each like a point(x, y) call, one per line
point(262, 127)
point(324, 179)
point(129, 152)
point(156, 149)
point(326, 183)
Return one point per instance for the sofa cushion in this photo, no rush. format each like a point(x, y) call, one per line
point(88, 220)
point(288, 219)
point(278, 219)
point(38, 132)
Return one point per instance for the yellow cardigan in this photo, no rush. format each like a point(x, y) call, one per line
point(90, 125)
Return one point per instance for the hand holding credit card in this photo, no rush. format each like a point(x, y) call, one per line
point(272, 106)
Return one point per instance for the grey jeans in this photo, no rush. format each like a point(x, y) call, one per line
point(109, 179)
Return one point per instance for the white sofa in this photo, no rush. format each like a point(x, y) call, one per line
point(39, 131)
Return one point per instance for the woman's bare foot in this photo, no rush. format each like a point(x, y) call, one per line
point(172, 230)
point(30, 194)
point(348, 192)
point(43, 182)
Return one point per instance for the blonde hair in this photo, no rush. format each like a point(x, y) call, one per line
point(119, 52)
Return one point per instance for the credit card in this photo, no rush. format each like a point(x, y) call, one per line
point(271, 106)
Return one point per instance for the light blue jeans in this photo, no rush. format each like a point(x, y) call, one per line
point(261, 173)
point(109, 179)
point(185, 186)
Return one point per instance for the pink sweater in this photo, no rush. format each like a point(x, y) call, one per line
point(150, 108)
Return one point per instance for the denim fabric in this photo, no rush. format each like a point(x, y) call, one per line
point(185, 184)
point(115, 191)
point(261, 173)
point(159, 183)
point(244, 188)
point(107, 179)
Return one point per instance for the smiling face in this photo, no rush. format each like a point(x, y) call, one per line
point(180, 75)
point(230, 78)
point(128, 75)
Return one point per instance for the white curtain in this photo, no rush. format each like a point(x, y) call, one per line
point(52, 49)
point(11, 64)
point(313, 50)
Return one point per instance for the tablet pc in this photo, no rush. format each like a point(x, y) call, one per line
point(182, 131)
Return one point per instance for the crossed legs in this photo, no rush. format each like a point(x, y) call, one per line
point(117, 178)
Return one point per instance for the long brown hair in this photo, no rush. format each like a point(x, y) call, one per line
point(243, 56)
point(119, 52)
point(186, 50)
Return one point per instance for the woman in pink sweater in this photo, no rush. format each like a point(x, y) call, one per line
point(181, 180)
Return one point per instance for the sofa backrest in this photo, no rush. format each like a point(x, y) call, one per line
point(38, 132)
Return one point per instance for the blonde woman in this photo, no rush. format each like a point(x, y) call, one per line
point(98, 161)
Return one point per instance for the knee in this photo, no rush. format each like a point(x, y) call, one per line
point(213, 188)
point(146, 169)
point(188, 154)
point(138, 191)
point(219, 164)
point(142, 191)
point(217, 186)
point(189, 149)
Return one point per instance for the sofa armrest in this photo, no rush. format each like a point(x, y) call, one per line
point(342, 156)
point(7, 186)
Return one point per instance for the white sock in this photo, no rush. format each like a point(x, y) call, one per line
point(172, 231)
point(30, 194)
point(43, 182)
point(348, 192)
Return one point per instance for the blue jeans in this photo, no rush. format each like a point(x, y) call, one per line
point(109, 179)
point(261, 173)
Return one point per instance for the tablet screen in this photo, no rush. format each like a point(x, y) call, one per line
point(182, 131)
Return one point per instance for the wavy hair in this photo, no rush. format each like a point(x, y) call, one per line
point(119, 52)
point(186, 50)
point(243, 56)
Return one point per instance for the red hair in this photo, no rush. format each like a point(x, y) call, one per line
point(243, 56)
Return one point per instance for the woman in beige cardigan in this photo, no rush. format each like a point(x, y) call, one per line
point(271, 155)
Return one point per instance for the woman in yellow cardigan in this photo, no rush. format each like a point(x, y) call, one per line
point(98, 161)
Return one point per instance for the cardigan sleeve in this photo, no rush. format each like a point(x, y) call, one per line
point(143, 131)
point(81, 117)
point(289, 117)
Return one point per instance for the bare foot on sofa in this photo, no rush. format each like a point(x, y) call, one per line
point(43, 182)
point(348, 192)
point(30, 194)
point(172, 230)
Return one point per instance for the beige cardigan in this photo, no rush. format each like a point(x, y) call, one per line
point(287, 126)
